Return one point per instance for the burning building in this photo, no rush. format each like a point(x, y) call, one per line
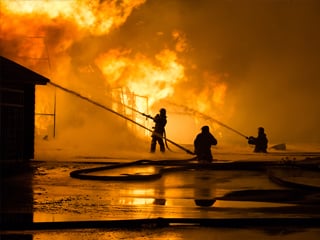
point(240, 62)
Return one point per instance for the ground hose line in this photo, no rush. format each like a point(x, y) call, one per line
point(180, 166)
point(165, 140)
point(166, 166)
point(291, 184)
point(152, 223)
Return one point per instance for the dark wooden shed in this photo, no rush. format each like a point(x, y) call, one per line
point(17, 100)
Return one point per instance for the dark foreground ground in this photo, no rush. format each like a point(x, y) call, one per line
point(42, 201)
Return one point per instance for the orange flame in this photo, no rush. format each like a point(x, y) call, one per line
point(141, 75)
point(56, 25)
point(97, 17)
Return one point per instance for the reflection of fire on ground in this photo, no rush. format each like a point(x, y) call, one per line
point(62, 40)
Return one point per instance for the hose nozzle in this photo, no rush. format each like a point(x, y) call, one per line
point(147, 116)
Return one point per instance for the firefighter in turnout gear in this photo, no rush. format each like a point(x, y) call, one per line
point(157, 136)
point(202, 145)
point(260, 142)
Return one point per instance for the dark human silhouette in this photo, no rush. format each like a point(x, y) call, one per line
point(158, 132)
point(260, 142)
point(202, 145)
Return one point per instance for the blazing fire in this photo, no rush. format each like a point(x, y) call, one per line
point(97, 17)
point(154, 78)
point(36, 33)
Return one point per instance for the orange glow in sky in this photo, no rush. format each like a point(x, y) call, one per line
point(146, 54)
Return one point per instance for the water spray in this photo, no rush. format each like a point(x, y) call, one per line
point(118, 114)
point(206, 117)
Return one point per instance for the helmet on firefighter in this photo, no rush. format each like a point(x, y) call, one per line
point(205, 129)
point(163, 111)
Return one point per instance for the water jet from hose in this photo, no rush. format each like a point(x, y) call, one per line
point(206, 117)
point(116, 113)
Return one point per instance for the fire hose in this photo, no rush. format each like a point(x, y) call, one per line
point(172, 223)
point(148, 116)
point(118, 114)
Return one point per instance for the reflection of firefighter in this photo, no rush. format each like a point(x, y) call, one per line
point(260, 142)
point(204, 190)
point(157, 135)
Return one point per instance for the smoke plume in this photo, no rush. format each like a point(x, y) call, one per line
point(244, 63)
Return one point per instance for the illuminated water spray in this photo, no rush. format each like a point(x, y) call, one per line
point(194, 112)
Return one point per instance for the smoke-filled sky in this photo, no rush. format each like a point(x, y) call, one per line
point(269, 50)
point(245, 63)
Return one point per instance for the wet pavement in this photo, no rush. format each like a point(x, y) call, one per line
point(47, 194)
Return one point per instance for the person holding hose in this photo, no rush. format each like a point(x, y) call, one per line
point(157, 134)
point(260, 142)
point(202, 145)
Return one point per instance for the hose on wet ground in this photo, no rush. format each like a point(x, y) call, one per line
point(291, 184)
point(166, 166)
point(154, 223)
point(295, 193)
point(176, 165)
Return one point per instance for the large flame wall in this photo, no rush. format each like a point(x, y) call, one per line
point(246, 63)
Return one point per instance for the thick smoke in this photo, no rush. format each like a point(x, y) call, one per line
point(268, 50)
point(247, 64)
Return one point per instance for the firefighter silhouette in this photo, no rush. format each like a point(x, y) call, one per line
point(202, 145)
point(157, 135)
point(260, 142)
